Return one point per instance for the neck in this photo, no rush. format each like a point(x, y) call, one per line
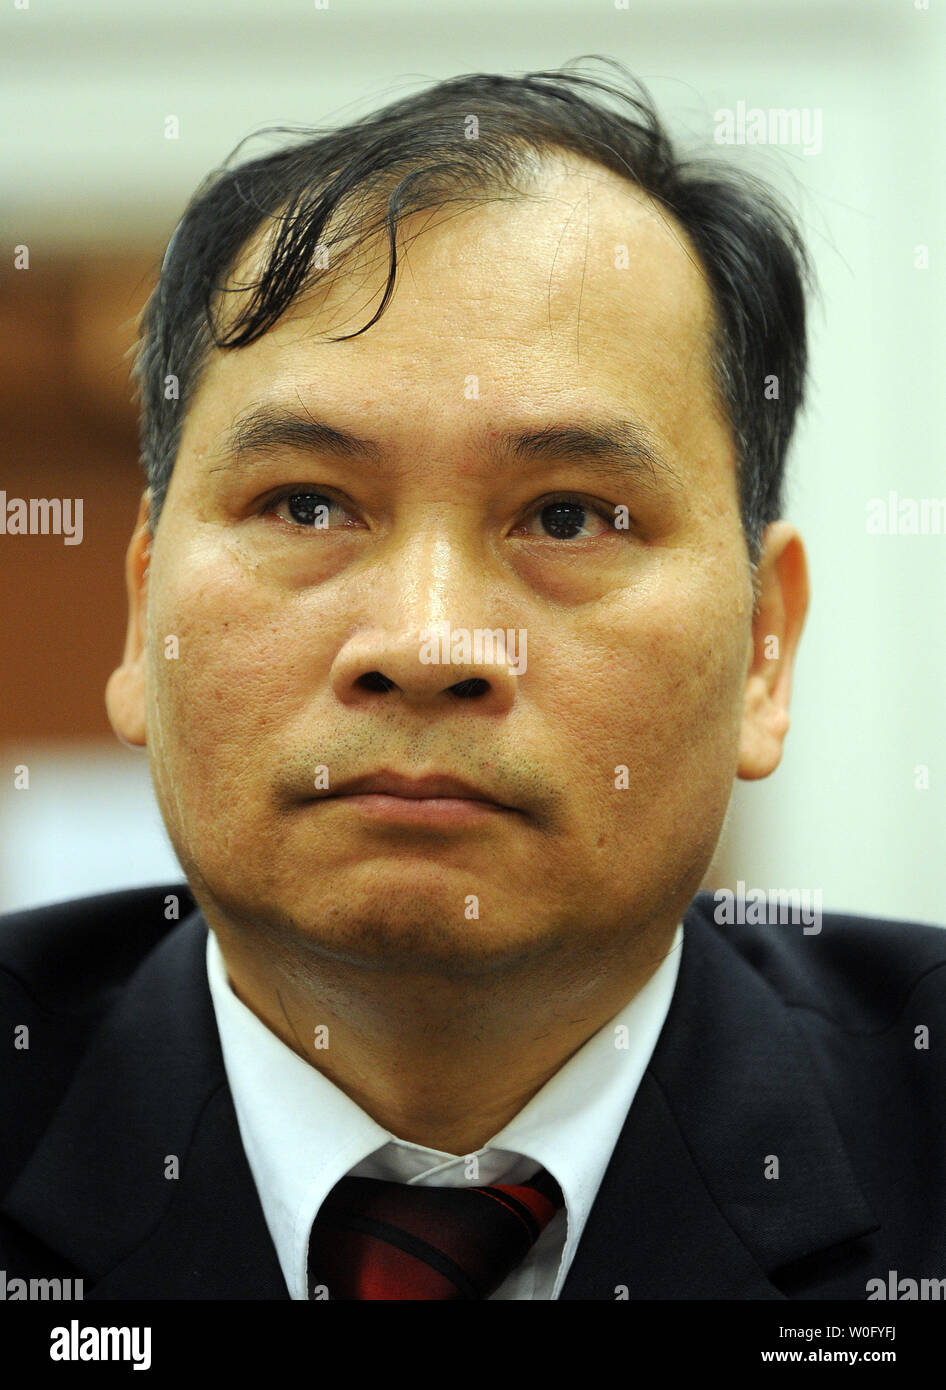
point(445, 1063)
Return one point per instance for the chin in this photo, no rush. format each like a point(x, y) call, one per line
point(416, 935)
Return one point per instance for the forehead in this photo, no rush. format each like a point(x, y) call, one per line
point(577, 287)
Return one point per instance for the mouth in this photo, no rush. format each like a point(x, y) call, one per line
point(436, 801)
point(432, 812)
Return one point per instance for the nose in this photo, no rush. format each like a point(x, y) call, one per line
point(423, 667)
point(427, 638)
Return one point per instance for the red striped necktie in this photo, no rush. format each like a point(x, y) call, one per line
point(387, 1240)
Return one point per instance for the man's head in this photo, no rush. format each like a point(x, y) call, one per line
point(556, 423)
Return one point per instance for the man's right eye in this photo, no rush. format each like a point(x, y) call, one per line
point(312, 510)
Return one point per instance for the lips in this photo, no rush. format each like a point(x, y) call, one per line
point(414, 788)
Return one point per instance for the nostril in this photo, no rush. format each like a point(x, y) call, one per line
point(466, 690)
point(374, 680)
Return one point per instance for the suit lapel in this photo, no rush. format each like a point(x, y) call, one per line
point(150, 1098)
point(685, 1209)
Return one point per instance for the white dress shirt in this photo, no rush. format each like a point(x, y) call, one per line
point(302, 1134)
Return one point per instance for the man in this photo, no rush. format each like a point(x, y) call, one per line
point(459, 595)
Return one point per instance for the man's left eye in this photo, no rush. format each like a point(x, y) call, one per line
point(565, 519)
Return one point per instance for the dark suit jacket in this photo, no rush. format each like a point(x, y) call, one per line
point(777, 1044)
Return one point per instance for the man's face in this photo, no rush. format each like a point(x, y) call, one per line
point(616, 741)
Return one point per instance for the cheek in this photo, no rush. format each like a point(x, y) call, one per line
point(662, 675)
point(214, 710)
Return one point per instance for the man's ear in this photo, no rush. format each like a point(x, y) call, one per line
point(125, 691)
point(777, 623)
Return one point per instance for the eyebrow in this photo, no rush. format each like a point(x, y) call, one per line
point(621, 447)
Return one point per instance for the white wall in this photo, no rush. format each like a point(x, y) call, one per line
point(85, 93)
point(88, 822)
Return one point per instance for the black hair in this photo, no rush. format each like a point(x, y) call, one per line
point(416, 154)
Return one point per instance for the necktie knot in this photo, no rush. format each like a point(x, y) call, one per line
point(388, 1240)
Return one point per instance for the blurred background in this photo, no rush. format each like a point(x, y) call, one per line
point(110, 116)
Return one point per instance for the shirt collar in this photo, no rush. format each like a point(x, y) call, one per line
point(302, 1134)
